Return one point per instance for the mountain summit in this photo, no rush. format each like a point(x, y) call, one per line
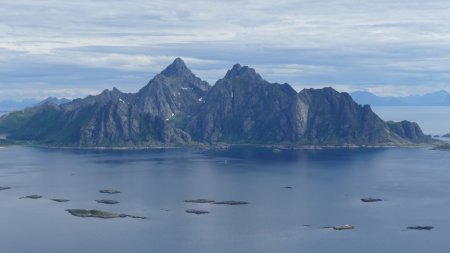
point(176, 108)
point(177, 68)
point(242, 72)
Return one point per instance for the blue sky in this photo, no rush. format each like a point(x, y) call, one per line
point(76, 48)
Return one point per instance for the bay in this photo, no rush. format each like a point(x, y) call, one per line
point(327, 186)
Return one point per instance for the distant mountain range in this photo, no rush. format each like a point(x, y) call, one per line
point(13, 105)
point(176, 108)
point(439, 98)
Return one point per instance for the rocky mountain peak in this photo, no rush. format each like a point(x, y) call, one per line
point(176, 68)
point(245, 72)
point(111, 93)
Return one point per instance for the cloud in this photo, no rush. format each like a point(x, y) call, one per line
point(348, 44)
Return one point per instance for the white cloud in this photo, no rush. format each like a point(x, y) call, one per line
point(359, 43)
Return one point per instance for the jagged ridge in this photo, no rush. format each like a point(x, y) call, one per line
point(178, 108)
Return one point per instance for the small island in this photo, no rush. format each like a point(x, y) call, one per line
point(109, 191)
point(107, 201)
point(31, 197)
point(193, 211)
point(199, 201)
point(420, 228)
point(368, 200)
point(344, 227)
point(61, 200)
point(84, 213)
point(94, 213)
point(231, 203)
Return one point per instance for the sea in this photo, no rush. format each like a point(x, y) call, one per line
point(293, 198)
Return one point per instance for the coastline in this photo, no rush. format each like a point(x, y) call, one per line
point(224, 146)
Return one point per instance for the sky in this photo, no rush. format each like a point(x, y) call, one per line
point(75, 48)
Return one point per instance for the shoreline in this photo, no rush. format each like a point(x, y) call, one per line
point(223, 146)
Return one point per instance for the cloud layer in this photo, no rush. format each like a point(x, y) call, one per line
point(64, 48)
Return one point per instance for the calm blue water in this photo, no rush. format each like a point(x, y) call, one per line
point(327, 186)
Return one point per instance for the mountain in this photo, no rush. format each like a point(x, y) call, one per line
point(174, 92)
point(176, 108)
point(54, 100)
point(439, 98)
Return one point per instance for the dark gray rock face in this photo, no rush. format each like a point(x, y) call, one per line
point(176, 108)
point(114, 118)
point(335, 119)
point(244, 108)
point(408, 130)
point(172, 93)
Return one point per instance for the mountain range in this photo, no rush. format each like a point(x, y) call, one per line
point(13, 105)
point(439, 98)
point(176, 108)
